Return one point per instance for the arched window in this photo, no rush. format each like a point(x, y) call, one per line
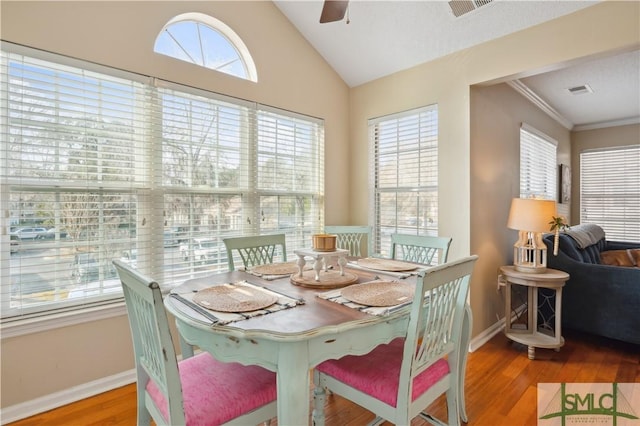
point(208, 42)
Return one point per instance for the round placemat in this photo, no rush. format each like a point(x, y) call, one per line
point(275, 268)
point(386, 264)
point(233, 298)
point(379, 293)
point(328, 279)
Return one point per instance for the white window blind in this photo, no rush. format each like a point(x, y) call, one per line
point(610, 191)
point(205, 139)
point(289, 175)
point(98, 164)
point(538, 170)
point(71, 165)
point(404, 180)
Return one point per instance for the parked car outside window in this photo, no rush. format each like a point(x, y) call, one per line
point(51, 234)
point(171, 239)
point(86, 268)
point(204, 250)
point(30, 233)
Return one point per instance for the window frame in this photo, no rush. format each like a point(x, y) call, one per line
point(416, 138)
point(152, 235)
point(233, 39)
point(538, 164)
point(599, 169)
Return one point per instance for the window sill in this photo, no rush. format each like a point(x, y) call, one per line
point(59, 320)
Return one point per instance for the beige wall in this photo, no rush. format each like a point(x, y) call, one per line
point(497, 113)
point(598, 30)
point(593, 139)
point(291, 75)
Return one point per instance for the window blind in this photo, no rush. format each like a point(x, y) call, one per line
point(610, 191)
point(71, 170)
point(538, 171)
point(99, 164)
point(289, 175)
point(404, 180)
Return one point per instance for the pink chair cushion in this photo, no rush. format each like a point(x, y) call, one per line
point(215, 392)
point(378, 373)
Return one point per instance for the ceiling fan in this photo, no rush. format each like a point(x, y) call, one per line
point(334, 10)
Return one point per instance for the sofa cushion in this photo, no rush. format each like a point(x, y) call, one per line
point(628, 257)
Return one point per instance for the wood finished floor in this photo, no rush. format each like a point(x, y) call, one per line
point(501, 386)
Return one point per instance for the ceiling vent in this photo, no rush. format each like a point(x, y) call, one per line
point(460, 7)
point(580, 90)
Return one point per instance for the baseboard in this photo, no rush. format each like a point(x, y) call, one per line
point(486, 335)
point(67, 396)
point(496, 328)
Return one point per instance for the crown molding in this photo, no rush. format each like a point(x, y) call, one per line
point(604, 124)
point(521, 88)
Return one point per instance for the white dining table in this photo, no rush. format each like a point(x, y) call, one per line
point(292, 341)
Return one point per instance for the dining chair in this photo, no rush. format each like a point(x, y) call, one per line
point(397, 381)
point(199, 390)
point(256, 249)
point(351, 238)
point(423, 249)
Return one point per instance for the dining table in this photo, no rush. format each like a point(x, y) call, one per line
point(292, 340)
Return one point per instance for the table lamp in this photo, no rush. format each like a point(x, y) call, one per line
point(530, 217)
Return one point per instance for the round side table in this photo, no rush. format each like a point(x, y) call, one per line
point(546, 333)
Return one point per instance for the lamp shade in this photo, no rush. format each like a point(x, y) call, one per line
point(532, 215)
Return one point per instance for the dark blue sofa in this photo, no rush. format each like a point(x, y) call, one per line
point(597, 298)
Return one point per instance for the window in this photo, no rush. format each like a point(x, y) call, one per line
point(205, 41)
point(538, 170)
point(404, 181)
point(98, 164)
point(610, 191)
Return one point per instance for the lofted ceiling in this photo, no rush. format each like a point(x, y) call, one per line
point(384, 37)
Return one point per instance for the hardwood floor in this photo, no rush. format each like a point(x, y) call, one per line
point(501, 385)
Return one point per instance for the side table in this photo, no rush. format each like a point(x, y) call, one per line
point(547, 333)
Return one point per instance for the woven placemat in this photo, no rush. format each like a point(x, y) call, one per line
point(379, 293)
point(275, 268)
point(386, 264)
point(233, 298)
point(328, 279)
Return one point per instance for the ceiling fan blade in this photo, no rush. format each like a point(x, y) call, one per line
point(333, 10)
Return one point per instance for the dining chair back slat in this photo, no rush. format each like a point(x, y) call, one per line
point(418, 368)
point(197, 391)
point(424, 249)
point(353, 238)
point(256, 250)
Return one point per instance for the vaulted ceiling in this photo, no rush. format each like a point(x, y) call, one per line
point(379, 38)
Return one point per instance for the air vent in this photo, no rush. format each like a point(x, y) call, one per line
point(580, 90)
point(460, 7)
